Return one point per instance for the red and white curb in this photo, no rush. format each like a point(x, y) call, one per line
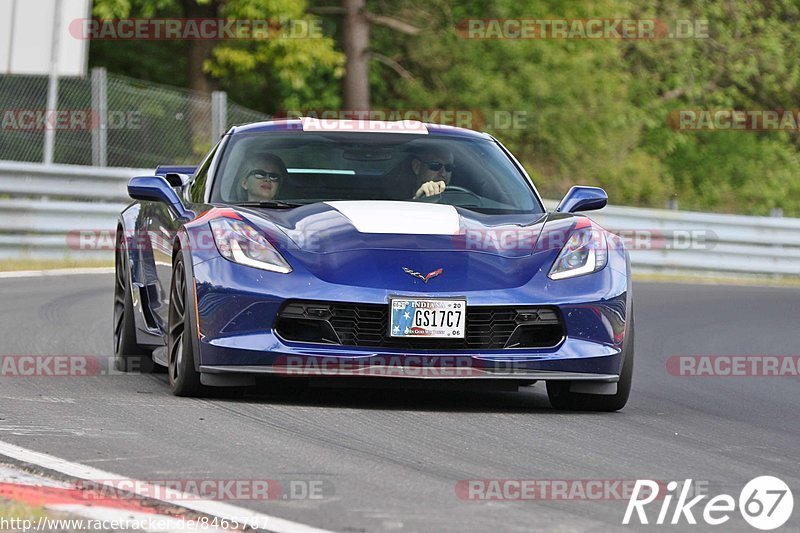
point(71, 498)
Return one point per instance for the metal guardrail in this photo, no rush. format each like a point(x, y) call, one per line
point(40, 205)
point(71, 182)
point(668, 241)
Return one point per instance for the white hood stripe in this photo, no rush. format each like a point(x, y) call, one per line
point(410, 218)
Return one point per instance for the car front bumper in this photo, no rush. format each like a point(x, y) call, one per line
point(238, 305)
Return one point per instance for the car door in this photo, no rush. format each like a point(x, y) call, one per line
point(162, 225)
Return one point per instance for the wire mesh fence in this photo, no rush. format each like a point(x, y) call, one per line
point(243, 115)
point(111, 120)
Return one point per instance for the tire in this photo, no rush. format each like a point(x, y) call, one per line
point(184, 379)
point(561, 398)
point(128, 356)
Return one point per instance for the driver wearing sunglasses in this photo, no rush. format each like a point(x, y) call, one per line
point(433, 171)
point(263, 177)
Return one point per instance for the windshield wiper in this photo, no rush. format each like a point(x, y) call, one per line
point(269, 203)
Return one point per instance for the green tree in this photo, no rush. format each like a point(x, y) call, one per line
point(589, 111)
point(274, 73)
point(576, 120)
point(747, 62)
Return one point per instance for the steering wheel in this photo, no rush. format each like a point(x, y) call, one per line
point(452, 192)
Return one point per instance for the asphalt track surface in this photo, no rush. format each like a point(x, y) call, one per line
point(390, 459)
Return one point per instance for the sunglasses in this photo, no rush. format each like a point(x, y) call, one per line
point(263, 175)
point(436, 166)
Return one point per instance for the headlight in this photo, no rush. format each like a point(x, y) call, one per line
point(239, 242)
point(586, 251)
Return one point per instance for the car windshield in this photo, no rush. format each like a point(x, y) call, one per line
point(280, 169)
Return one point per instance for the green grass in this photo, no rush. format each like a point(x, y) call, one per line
point(38, 264)
point(721, 279)
point(19, 512)
point(11, 509)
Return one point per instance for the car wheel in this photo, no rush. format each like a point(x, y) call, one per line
point(184, 379)
point(561, 397)
point(128, 356)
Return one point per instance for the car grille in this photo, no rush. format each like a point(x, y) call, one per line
point(350, 324)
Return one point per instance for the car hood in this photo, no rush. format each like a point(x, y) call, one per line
point(376, 243)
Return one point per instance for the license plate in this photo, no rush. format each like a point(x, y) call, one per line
point(437, 319)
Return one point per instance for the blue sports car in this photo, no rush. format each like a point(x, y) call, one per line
point(348, 249)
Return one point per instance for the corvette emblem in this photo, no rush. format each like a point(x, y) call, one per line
point(425, 279)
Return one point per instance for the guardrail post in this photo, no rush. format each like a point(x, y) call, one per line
point(99, 117)
point(776, 212)
point(219, 115)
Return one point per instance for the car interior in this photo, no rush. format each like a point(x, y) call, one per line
point(321, 170)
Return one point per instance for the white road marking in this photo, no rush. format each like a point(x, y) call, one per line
point(55, 272)
point(39, 430)
point(209, 507)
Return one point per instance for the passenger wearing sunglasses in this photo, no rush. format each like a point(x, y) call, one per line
point(433, 171)
point(263, 177)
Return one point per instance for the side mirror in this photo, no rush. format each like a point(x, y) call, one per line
point(156, 189)
point(580, 198)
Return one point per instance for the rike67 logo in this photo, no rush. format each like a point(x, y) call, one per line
point(765, 503)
